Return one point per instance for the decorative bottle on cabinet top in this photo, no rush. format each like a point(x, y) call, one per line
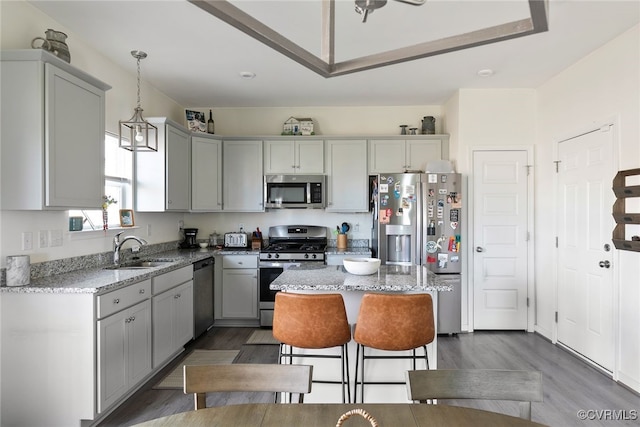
point(210, 124)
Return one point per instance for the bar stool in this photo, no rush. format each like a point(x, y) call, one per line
point(392, 322)
point(313, 321)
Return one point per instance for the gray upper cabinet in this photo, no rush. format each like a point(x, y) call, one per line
point(347, 178)
point(163, 178)
point(242, 182)
point(206, 173)
point(396, 155)
point(52, 133)
point(294, 156)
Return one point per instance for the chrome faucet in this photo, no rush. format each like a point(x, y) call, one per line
point(117, 244)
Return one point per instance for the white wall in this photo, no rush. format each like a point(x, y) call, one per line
point(602, 86)
point(20, 23)
point(327, 120)
point(485, 118)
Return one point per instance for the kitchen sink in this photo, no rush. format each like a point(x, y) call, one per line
point(138, 265)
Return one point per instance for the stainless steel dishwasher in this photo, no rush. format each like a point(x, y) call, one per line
point(202, 296)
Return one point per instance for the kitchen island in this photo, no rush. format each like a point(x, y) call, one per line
point(388, 279)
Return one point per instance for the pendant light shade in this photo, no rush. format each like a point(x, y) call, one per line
point(137, 134)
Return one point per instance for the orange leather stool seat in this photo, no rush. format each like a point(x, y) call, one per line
point(313, 321)
point(392, 322)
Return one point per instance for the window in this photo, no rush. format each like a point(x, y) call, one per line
point(118, 171)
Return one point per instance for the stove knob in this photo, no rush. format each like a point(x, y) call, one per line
point(314, 256)
point(277, 255)
point(269, 256)
point(306, 256)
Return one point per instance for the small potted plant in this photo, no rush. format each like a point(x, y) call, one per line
point(106, 202)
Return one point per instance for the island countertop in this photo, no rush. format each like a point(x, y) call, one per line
point(389, 278)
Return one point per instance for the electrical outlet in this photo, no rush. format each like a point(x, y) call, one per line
point(27, 240)
point(148, 230)
point(181, 224)
point(43, 238)
point(55, 237)
point(356, 227)
point(241, 227)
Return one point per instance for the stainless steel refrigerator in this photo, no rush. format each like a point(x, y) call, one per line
point(419, 221)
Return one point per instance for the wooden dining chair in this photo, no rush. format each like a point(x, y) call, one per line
point(202, 379)
point(485, 384)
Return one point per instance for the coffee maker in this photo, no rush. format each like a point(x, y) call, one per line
point(189, 238)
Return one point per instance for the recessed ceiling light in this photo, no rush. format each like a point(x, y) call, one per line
point(486, 72)
point(247, 75)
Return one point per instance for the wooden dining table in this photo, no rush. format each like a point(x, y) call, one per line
point(328, 414)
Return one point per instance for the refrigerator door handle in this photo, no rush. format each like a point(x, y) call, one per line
point(398, 244)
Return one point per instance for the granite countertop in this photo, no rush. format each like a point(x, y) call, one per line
point(389, 278)
point(99, 280)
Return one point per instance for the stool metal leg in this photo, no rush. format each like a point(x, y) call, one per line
point(344, 367)
point(360, 360)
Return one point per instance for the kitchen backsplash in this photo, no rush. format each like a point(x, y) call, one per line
point(66, 265)
point(351, 243)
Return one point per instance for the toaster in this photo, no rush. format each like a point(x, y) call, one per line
point(235, 240)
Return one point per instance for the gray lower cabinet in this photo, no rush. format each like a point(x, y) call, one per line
point(236, 296)
point(125, 352)
point(124, 341)
point(172, 313)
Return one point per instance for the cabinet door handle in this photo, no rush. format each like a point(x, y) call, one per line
point(176, 296)
point(142, 291)
point(116, 301)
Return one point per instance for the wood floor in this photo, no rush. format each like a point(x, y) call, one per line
point(570, 385)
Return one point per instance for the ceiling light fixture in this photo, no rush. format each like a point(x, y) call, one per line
point(247, 75)
point(139, 134)
point(486, 72)
point(325, 64)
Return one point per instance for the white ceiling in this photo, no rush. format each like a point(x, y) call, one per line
point(196, 59)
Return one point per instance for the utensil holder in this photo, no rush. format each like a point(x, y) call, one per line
point(342, 241)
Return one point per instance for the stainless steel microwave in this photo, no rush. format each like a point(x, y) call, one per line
point(294, 191)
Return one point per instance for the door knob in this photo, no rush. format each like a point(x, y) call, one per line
point(479, 249)
point(604, 264)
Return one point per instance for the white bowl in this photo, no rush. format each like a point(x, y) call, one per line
point(361, 266)
point(203, 245)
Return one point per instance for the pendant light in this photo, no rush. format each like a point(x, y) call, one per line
point(139, 134)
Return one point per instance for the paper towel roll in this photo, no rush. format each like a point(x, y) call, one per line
point(18, 270)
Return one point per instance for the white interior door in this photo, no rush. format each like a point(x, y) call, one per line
point(500, 264)
point(585, 277)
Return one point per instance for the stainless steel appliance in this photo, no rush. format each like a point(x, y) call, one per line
point(235, 240)
point(288, 246)
point(202, 296)
point(294, 191)
point(419, 221)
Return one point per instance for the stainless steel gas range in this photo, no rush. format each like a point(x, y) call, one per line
point(289, 246)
